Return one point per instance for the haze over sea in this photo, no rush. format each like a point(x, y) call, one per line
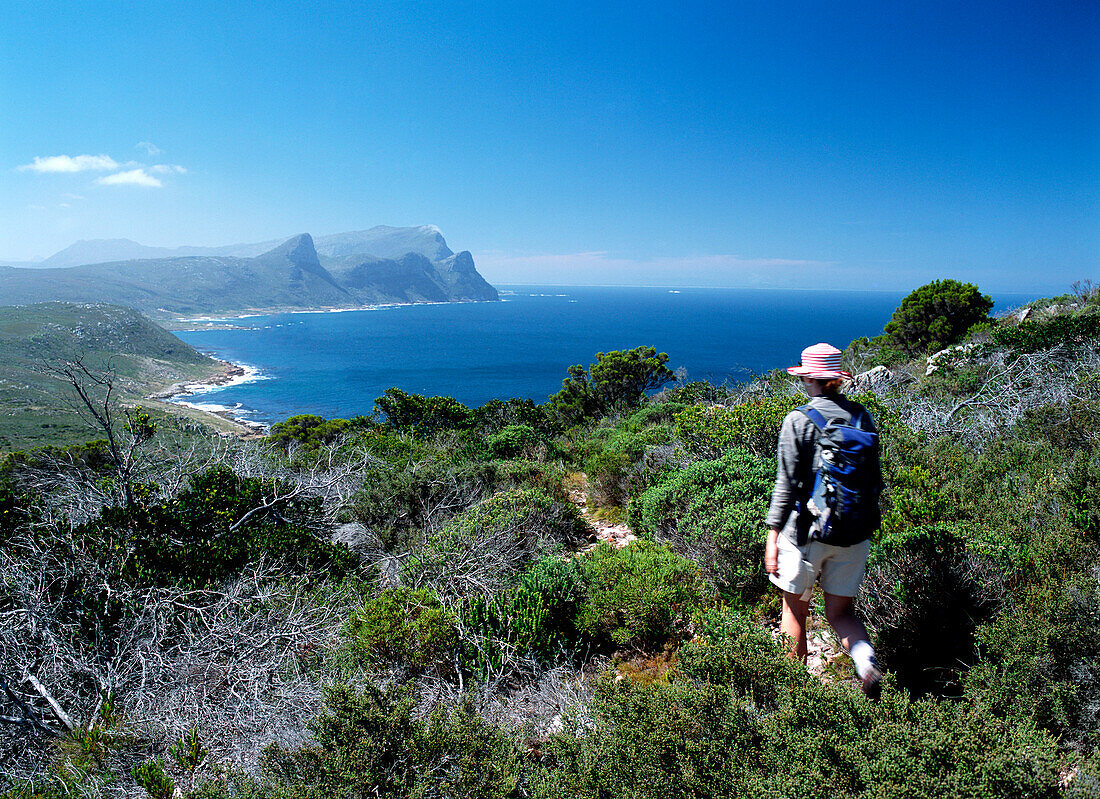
point(336, 364)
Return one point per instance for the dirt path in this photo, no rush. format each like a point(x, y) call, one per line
point(825, 658)
point(618, 535)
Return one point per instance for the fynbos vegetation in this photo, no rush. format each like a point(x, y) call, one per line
point(415, 604)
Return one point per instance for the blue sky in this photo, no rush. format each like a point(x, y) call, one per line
point(863, 145)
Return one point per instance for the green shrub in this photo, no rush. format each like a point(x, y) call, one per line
point(486, 548)
point(1033, 335)
point(709, 431)
point(607, 471)
point(152, 777)
point(1079, 492)
point(513, 441)
point(706, 740)
point(638, 596)
point(922, 599)
point(535, 618)
point(1067, 426)
point(531, 513)
point(617, 381)
point(713, 511)
point(311, 432)
point(615, 464)
point(653, 414)
point(937, 315)
point(495, 415)
point(559, 588)
point(696, 392)
point(370, 744)
point(420, 415)
point(731, 649)
point(400, 450)
point(405, 628)
point(1040, 661)
point(650, 742)
point(220, 523)
point(398, 502)
point(16, 509)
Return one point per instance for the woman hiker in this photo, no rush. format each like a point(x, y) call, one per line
point(826, 540)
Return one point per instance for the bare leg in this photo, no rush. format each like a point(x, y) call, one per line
point(849, 629)
point(852, 633)
point(793, 624)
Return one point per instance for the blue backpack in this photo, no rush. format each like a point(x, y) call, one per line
point(842, 507)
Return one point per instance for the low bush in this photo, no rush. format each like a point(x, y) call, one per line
point(535, 619)
point(495, 415)
point(530, 513)
point(731, 649)
point(653, 414)
point(922, 600)
point(369, 743)
point(713, 511)
point(399, 503)
point(405, 628)
point(1041, 661)
point(513, 441)
point(709, 431)
point(703, 739)
point(695, 392)
point(152, 777)
point(217, 525)
point(651, 742)
point(1034, 335)
point(486, 548)
point(639, 596)
point(614, 465)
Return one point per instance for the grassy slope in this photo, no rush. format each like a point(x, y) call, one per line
point(36, 408)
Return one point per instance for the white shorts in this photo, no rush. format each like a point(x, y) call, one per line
point(840, 568)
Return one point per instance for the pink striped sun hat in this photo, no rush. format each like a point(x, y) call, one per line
point(821, 362)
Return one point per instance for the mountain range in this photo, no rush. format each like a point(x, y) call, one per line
point(380, 265)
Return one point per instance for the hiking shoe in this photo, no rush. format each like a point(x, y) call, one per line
point(871, 683)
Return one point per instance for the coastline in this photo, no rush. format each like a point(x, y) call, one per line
point(230, 374)
point(177, 323)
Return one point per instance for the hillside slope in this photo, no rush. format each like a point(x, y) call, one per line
point(37, 408)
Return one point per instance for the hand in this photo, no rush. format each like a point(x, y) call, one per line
point(771, 553)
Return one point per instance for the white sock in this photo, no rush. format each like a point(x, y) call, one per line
point(864, 656)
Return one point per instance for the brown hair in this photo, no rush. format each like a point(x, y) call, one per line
point(831, 386)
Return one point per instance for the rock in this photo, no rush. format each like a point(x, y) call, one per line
point(1023, 314)
point(878, 377)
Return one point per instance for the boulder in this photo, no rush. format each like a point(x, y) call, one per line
point(874, 379)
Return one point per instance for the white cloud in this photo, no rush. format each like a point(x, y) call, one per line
point(70, 163)
point(70, 196)
point(132, 177)
point(167, 169)
point(148, 147)
point(64, 205)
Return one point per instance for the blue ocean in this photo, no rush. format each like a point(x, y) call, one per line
point(335, 364)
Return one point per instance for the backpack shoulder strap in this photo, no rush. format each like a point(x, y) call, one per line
point(814, 415)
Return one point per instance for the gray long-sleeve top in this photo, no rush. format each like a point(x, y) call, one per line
point(797, 440)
